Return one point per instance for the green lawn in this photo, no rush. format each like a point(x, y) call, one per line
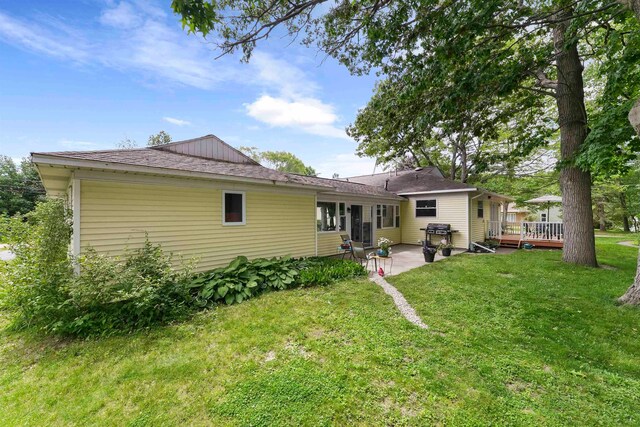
point(516, 339)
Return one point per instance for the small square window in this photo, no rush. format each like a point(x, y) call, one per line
point(233, 208)
point(426, 208)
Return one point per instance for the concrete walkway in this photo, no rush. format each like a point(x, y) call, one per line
point(400, 301)
point(628, 243)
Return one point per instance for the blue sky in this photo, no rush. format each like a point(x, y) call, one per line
point(86, 74)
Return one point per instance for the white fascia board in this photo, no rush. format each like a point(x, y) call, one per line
point(351, 196)
point(458, 190)
point(97, 165)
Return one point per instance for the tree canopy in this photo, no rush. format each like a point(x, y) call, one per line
point(282, 161)
point(159, 138)
point(20, 186)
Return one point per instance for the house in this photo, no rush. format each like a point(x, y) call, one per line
point(203, 199)
point(542, 213)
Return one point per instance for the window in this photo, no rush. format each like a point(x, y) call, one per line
point(511, 217)
point(543, 217)
point(326, 216)
point(233, 208)
point(343, 216)
point(426, 208)
point(480, 209)
point(388, 216)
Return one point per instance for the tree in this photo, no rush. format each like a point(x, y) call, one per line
point(159, 138)
point(128, 143)
point(20, 187)
point(398, 125)
point(464, 50)
point(282, 161)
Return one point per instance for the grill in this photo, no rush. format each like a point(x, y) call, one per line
point(443, 230)
point(439, 229)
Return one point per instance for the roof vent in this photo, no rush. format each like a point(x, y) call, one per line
point(386, 184)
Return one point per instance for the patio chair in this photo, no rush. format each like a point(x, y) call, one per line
point(360, 254)
point(346, 241)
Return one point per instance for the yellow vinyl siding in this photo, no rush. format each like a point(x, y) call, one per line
point(188, 221)
point(450, 209)
point(393, 234)
point(328, 243)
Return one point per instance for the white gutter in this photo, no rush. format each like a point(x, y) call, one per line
point(458, 190)
point(98, 165)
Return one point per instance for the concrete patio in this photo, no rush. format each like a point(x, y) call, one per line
point(407, 257)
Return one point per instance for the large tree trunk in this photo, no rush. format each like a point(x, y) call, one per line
point(632, 296)
point(575, 184)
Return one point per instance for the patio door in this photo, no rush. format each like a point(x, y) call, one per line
point(361, 224)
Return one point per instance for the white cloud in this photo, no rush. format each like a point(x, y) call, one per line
point(121, 16)
point(177, 122)
point(296, 105)
point(42, 40)
point(77, 144)
point(133, 36)
point(345, 165)
point(289, 80)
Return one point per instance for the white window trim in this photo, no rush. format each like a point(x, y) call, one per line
point(396, 212)
point(244, 207)
point(415, 209)
point(337, 216)
point(478, 209)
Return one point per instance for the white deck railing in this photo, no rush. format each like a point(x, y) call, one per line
point(527, 230)
point(542, 231)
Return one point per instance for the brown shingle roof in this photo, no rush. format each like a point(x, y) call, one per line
point(347, 187)
point(412, 181)
point(167, 160)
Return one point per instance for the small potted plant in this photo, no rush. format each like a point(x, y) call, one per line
point(429, 253)
point(384, 244)
point(445, 247)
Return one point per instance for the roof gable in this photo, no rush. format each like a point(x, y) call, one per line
point(207, 147)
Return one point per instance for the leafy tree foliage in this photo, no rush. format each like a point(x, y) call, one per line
point(159, 138)
point(282, 161)
point(402, 122)
point(20, 186)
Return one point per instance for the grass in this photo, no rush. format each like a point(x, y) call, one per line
point(519, 339)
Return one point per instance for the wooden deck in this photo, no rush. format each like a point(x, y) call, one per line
point(513, 241)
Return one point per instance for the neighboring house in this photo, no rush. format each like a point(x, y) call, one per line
point(552, 213)
point(516, 214)
point(202, 198)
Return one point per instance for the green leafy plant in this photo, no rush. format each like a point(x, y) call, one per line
point(34, 286)
point(134, 291)
point(243, 279)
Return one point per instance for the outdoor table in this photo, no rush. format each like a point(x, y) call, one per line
point(383, 260)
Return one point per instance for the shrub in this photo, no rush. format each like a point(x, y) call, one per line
point(243, 279)
point(125, 293)
point(324, 271)
point(35, 283)
point(108, 295)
